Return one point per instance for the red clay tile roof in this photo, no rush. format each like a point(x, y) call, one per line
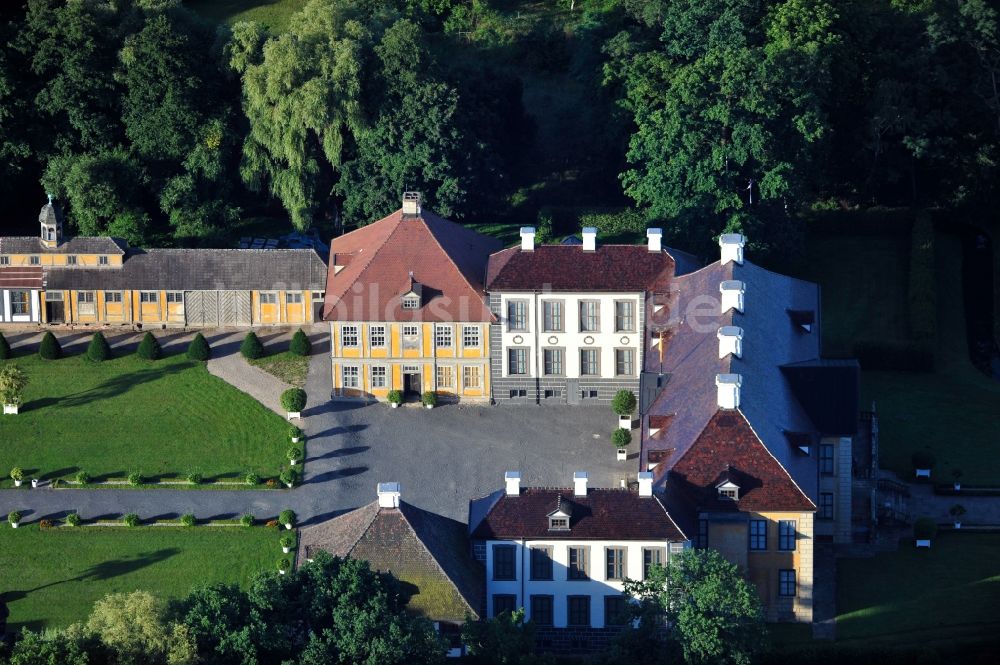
point(446, 259)
point(569, 268)
point(728, 447)
point(604, 514)
point(29, 277)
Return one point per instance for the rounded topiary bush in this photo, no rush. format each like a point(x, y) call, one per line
point(251, 348)
point(300, 344)
point(287, 518)
point(135, 479)
point(73, 519)
point(187, 520)
point(4, 348)
point(98, 350)
point(247, 519)
point(50, 348)
point(623, 403)
point(199, 349)
point(429, 398)
point(293, 400)
point(621, 437)
point(288, 478)
point(149, 348)
point(131, 519)
point(252, 478)
point(924, 528)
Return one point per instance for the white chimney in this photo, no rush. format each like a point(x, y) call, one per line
point(655, 238)
point(729, 390)
point(527, 238)
point(731, 246)
point(732, 291)
point(411, 203)
point(645, 483)
point(513, 481)
point(730, 341)
point(589, 239)
point(580, 483)
point(388, 495)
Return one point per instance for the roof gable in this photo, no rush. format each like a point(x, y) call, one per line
point(569, 268)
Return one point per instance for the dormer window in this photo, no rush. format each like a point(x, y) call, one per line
point(559, 518)
point(411, 302)
point(558, 524)
point(413, 296)
point(729, 491)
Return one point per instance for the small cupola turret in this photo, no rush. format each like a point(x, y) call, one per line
point(50, 219)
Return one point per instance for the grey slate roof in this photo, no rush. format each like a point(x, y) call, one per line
point(201, 270)
point(770, 340)
point(81, 245)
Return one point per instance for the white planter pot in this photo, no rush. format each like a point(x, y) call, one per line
point(34, 483)
point(293, 415)
point(428, 406)
point(281, 572)
point(13, 525)
point(289, 487)
point(958, 525)
point(288, 526)
point(10, 409)
point(296, 439)
point(923, 542)
point(923, 473)
point(625, 422)
point(286, 550)
point(622, 454)
point(394, 405)
point(958, 487)
point(293, 462)
point(17, 483)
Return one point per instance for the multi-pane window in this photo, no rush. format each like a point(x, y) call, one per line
point(541, 563)
point(148, 296)
point(378, 377)
point(34, 260)
point(624, 316)
point(470, 376)
point(376, 336)
point(614, 563)
point(786, 582)
point(351, 376)
point(268, 298)
point(411, 302)
point(552, 315)
point(293, 298)
point(517, 315)
point(444, 377)
point(702, 534)
point(614, 610)
point(651, 556)
point(85, 297)
point(517, 361)
point(786, 535)
point(442, 336)
point(112, 296)
point(590, 362)
point(410, 330)
point(758, 534)
point(349, 336)
point(553, 361)
point(826, 459)
point(470, 336)
point(19, 303)
point(625, 362)
point(503, 562)
point(541, 610)
point(579, 567)
point(71, 260)
point(102, 260)
point(504, 604)
point(4, 260)
point(826, 505)
point(590, 320)
point(578, 610)
point(175, 297)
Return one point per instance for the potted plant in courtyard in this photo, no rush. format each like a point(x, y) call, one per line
point(17, 475)
point(287, 543)
point(295, 433)
point(284, 565)
point(287, 518)
point(34, 483)
point(13, 381)
point(924, 530)
point(923, 461)
point(294, 455)
point(395, 398)
point(623, 404)
point(621, 437)
point(288, 477)
point(957, 475)
point(956, 513)
point(14, 518)
point(430, 399)
point(293, 401)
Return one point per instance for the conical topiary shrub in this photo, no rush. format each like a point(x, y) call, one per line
point(98, 350)
point(300, 345)
point(199, 349)
point(149, 348)
point(49, 348)
point(251, 348)
point(4, 348)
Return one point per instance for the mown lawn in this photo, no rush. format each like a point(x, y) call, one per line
point(50, 578)
point(273, 14)
point(911, 596)
point(287, 366)
point(163, 419)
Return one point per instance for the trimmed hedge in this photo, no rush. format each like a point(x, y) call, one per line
point(4, 348)
point(149, 348)
point(199, 349)
point(300, 344)
point(252, 348)
point(906, 356)
point(98, 350)
point(293, 400)
point(621, 438)
point(623, 403)
point(50, 348)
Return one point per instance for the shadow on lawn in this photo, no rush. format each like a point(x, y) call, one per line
point(113, 387)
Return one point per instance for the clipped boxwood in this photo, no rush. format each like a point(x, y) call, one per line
point(287, 517)
point(924, 528)
point(621, 437)
point(130, 519)
point(429, 398)
point(4, 348)
point(187, 520)
point(251, 348)
point(83, 477)
point(293, 400)
point(284, 565)
point(135, 479)
point(287, 541)
point(199, 349)
point(252, 478)
point(247, 519)
point(73, 519)
point(194, 478)
point(14, 517)
point(289, 477)
point(98, 350)
point(49, 349)
point(149, 348)
point(294, 453)
point(395, 397)
point(623, 403)
point(300, 344)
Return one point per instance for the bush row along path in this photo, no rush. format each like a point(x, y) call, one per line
point(315, 500)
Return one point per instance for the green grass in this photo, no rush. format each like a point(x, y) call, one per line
point(921, 596)
point(163, 419)
point(287, 366)
point(273, 14)
point(50, 578)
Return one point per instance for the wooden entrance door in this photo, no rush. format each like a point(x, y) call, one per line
point(411, 384)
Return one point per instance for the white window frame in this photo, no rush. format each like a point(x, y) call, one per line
point(380, 380)
point(350, 331)
point(448, 375)
point(468, 333)
point(376, 336)
point(293, 298)
point(149, 297)
point(475, 373)
point(355, 376)
point(444, 336)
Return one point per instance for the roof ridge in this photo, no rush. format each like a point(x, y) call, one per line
point(670, 517)
point(375, 514)
point(374, 250)
point(450, 259)
point(776, 460)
